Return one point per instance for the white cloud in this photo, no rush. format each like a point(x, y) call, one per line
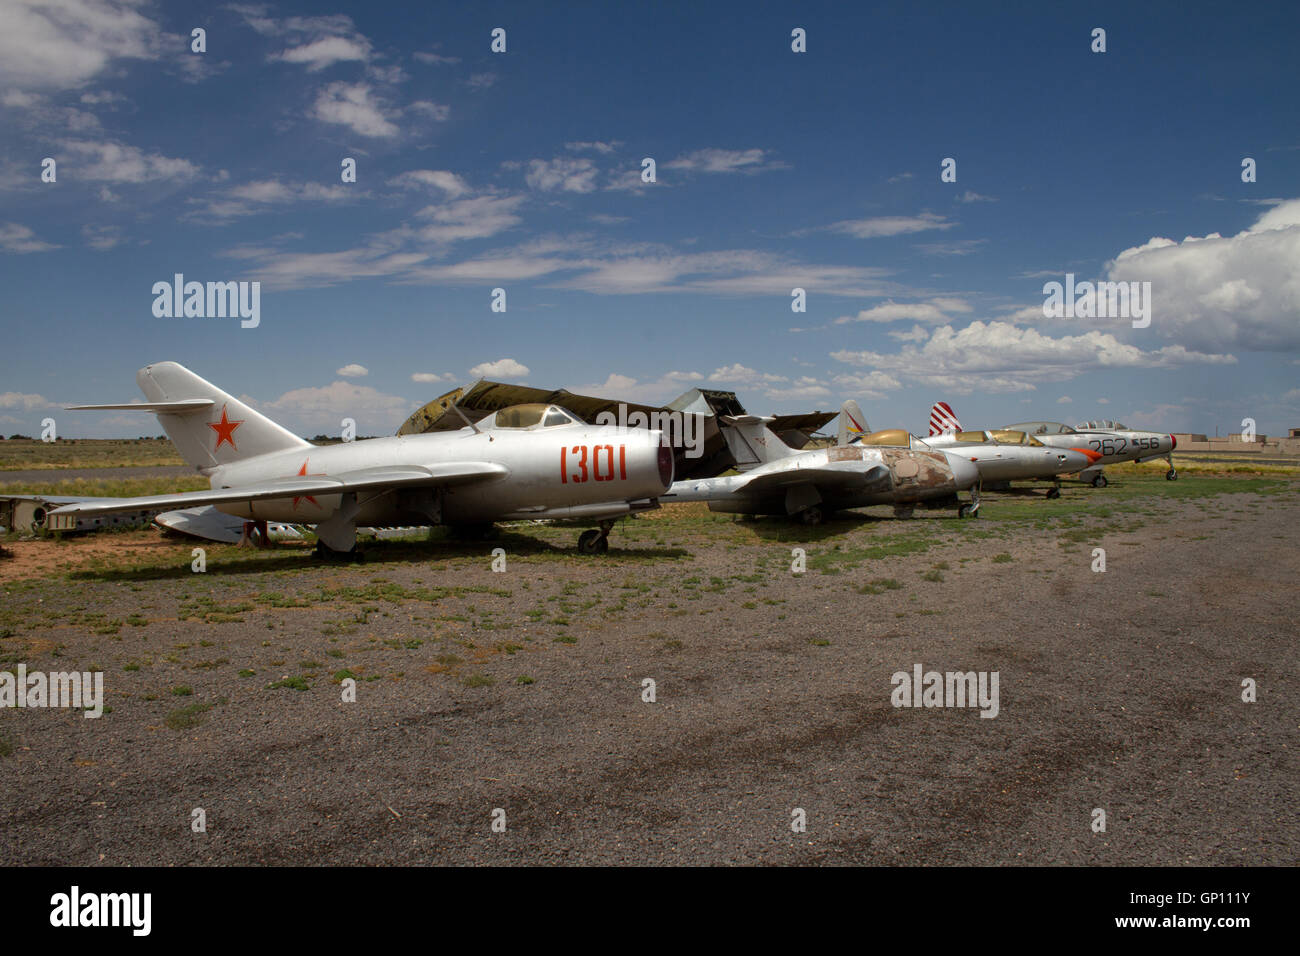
point(25, 401)
point(102, 238)
point(575, 175)
point(501, 368)
point(872, 385)
point(325, 51)
point(628, 389)
point(355, 106)
point(353, 371)
point(432, 377)
point(311, 410)
point(969, 196)
point(1000, 357)
point(480, 81)
point(111, 162)
point(595, 146)
point(474, 218)
point(738, 374)
point(63, 45)
point(879, 226)
point(453, 185)
point(934, 311)
point(434, 59)
point(1213, 292)
point(1064, 400)
point(725, 161)
point(20, 239)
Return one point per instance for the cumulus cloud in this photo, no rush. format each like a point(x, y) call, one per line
point(1001, 357)
point(325, 51)
point(106, 161)
point(356, 106)
point(501, 368)
point(628, 389)
point(64, 45)
point(310, 410)
point(353, 371)
point(1242, 291)
point(934, 311)
point(425, 377)
point(569, 174)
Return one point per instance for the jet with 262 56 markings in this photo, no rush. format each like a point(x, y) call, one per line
point(524, 462)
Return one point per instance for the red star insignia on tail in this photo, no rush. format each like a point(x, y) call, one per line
point(225, 430)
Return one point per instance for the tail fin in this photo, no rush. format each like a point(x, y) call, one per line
point(853, 424)
point(751, 442)
point(208, 427)
point(943, 420)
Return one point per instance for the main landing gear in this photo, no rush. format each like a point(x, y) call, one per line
point(1055, 490)
point(324, 552)
point(970, 508)
point(596, 541)
point(1171, 474)
point(812, 516)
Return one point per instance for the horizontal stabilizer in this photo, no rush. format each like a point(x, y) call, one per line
point(158, 408)
point(367, 479)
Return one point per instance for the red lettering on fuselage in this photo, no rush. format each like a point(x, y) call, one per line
point(592, 461)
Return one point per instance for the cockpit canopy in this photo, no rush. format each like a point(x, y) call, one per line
point(893, 437)
point(535, 415)
point(1007, 436)
point(1042, 428)
point(1105, 424)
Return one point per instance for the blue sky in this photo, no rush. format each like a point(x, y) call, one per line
point(775, 169)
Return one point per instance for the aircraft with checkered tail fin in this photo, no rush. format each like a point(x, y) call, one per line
point(1084, 450)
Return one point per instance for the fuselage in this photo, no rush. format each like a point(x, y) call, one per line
point(1112, 445)
point(909, 475)
point(565, 470)
point(1008, 455)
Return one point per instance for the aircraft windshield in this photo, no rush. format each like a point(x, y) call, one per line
point(1043, 428)
point(889, 436)
point(976, 437)
point(1104, 423)
point(535, 413)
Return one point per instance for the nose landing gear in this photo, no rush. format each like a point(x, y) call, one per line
point(594, 541)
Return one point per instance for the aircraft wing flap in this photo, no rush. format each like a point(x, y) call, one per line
point(366, 479)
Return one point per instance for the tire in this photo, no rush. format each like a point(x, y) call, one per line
point(1053, 492)
point(811, 516)
point(1171, 475)
point(1100, 481)
point(592, 541)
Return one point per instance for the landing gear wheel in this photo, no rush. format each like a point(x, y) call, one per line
point(811, 516)
point(592, 541)
point(968, 510)
point(1171, 475)
point(1053, 492)
point(1099, 481)
point(326, 553)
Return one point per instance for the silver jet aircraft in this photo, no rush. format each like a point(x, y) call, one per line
point(884, 467)
point(1007, 455)
point(523, 462)
point(1106, 445)
point(1115, 443)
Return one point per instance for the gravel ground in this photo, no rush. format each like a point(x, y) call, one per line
point(522, 691)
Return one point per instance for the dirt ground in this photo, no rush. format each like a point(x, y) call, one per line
point(518, 695)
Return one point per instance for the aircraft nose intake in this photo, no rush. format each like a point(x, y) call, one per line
point(964, 471)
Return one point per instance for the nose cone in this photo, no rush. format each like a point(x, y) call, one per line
point(964, 471)
point(666, 463)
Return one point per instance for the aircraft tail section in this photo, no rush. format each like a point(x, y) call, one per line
point(208, 426)
point(943, 420)
point(853, 424)
point(751, 442)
